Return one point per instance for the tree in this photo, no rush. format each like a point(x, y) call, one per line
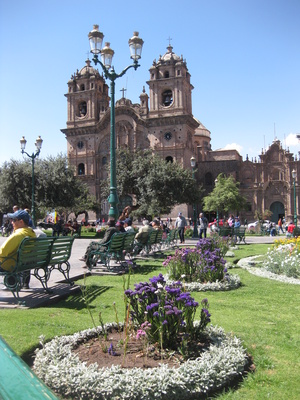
point(156, 184)
point(267, 214)
point(56, 187)
point(225, 196)
point(15, 185)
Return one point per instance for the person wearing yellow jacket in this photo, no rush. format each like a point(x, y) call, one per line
point(8, 251)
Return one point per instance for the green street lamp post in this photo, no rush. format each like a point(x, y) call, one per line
point(195, 231)
point(216, 182)
point(38, 145)
point(294, 175)
point(135, 46)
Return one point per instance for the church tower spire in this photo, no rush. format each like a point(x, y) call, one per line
point(169, 86)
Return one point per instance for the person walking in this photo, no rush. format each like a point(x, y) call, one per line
point(280, 226)
point(203, 222)
point(180, 224)
point(237, 223)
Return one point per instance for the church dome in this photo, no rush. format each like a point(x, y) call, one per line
point(87, 69)
point(169, 56)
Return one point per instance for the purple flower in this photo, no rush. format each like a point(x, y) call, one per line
point(169, 312)
point(207, 314)
point(140, 333)
point(158, 279)
point(152, 305)
point(111, 350)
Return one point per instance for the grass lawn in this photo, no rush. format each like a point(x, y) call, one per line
point(265, 314)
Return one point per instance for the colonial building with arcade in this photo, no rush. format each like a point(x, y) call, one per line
point(163, 121)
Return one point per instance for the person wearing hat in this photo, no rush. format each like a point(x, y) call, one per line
point(128, 225)
point(156, 224)
point(237, 223)
point(120, 226)
point(8, 251)
point(111, 230)
point(180, 224)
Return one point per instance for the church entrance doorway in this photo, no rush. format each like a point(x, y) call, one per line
point(277, 209)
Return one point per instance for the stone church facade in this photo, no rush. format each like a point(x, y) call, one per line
point(163, 121)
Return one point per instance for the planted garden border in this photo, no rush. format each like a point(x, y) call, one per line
point(230, 282)
point(250, 263)
point(61, 369)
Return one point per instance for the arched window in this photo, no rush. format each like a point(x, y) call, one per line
point(82, 87)
point(82, 108)
point(81, 169)
point(169, 159)
point(104, 160)
point(208, 179)
point(166, 74)
point(167, 98)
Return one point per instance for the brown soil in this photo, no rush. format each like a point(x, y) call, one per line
point(137, 353)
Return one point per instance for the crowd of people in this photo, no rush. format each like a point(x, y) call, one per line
point(22, 226)
point(124, 224)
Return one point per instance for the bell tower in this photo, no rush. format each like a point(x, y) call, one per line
point(170, 119)
point(87, 97)
point(169, 86)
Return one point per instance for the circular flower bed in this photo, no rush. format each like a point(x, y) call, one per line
point(202, 268)
point(255, 268)
point(61, 369)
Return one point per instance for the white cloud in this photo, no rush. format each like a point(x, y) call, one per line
point(233, 146)
point(291, 140)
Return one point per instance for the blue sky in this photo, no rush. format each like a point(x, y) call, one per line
point(243, 57)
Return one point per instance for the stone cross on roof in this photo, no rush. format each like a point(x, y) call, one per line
point(123, 90)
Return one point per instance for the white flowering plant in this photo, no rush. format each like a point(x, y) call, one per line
point(284, 258)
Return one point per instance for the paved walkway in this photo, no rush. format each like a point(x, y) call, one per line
point(36, 296)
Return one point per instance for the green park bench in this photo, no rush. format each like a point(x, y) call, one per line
point(120, 245)
point(129, 245)
point(40, 256)
point(154, 241)
point(225, 231)
point(18, 382)
point(237, 234)
point(171, 239)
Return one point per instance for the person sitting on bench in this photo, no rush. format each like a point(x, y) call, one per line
point(20, 221)
point(112, 229)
